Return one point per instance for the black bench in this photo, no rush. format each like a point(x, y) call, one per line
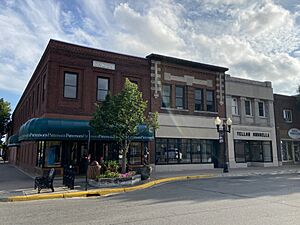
point(45, 181)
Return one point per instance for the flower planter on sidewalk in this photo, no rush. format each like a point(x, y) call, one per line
point(115, 182)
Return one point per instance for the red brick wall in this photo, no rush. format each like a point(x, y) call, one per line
point(178, 70)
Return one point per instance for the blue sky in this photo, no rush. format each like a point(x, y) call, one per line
point(255, 39)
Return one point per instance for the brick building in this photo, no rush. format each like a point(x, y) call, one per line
point(187, 96)
point(287, 117)
point(51, 120)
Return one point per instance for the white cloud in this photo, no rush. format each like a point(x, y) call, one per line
point(153, 30)
point(254, 39)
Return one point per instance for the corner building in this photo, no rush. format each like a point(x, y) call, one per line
point(187, 96)
point(252, 141)
point(51, 120)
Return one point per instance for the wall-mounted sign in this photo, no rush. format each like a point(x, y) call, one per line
point(252, 135)
point(294, 133)
point(104, 65)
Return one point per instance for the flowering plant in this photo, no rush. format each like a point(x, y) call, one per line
point(129, 174)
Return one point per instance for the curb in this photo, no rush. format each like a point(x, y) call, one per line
point(102, 192)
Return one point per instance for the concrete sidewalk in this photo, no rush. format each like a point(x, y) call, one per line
point(14, 183)
point(218, 172)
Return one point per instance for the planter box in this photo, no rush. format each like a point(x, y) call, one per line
point(115, 182)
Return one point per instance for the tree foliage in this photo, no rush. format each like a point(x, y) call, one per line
point(4, 116)
point(120, 115)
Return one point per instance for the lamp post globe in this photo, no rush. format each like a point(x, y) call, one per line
point(226, 127)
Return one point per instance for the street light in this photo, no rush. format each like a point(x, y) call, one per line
point(226, 127)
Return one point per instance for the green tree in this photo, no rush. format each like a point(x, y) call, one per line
point(4, 117)
point(119, 116)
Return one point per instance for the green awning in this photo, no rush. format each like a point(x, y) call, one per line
point(65, 129)
point(13, 141)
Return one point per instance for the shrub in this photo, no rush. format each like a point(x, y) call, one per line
point(112, 166)
point(109, 174)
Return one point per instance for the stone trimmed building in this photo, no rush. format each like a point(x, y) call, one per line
point(187, 96)
point(252, 141)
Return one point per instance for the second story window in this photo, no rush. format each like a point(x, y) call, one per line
point(234, 106)
point(210, 101)
point(166, 96)
point(179, 97)
point(261, 109)
point(70, 85)
point(287, 115)
point(248, 108)
point(198, 100)
point(102, 88)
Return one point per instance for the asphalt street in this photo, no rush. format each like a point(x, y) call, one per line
point(268, 199)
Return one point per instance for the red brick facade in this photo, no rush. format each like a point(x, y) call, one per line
point(44, 94)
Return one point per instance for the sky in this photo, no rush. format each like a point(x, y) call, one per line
point(257, 40)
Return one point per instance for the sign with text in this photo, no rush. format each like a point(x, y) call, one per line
point(252, 135)
point(294, 133)
point(104, 65)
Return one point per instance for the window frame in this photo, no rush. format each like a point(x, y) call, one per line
point(236, 107)
point(213, 101)
point(108, 85)
point(250, 106)
point(170, 96)
point(264, 109)
point(182, 97)
point(284, 115)
point(197, 100)
point(72, 73)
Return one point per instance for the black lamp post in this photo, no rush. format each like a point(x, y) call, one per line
point(226, 127)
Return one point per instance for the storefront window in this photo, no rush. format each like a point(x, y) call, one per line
point(135, 153)
point(53, 154)
point(267, 151)
point(239, 151)
point(206, 151)
point(257, 151)
point(173, 154)
point(297, 151)
point(183, 151)
point(253, 151)
point(112, 151)
point(287, 151)
point(40, 154)
point(196, 151)
point(284, 151)
point(161, 148)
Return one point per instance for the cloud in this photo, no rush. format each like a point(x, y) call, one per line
point(153, 31)
point(254, 39)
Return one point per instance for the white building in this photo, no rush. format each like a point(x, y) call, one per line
point(252, 141)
